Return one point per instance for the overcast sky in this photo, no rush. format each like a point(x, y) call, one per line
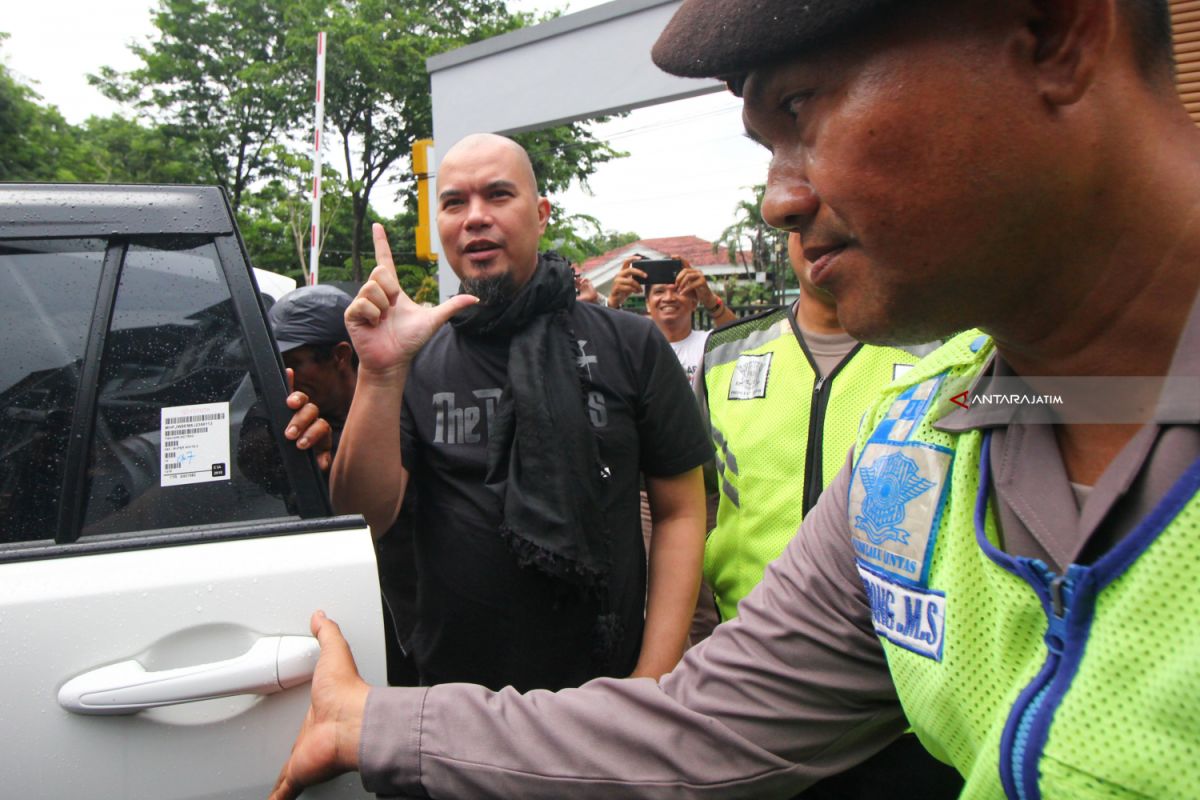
point(689, 163)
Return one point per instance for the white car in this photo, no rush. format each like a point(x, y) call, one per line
point(161, 545)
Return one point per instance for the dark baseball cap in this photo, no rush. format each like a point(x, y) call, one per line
point(727, 38)
point(310, 315)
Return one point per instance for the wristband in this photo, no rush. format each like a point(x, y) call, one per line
point(715, 307)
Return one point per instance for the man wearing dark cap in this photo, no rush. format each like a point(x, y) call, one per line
point(996, 569)
point(310, 329)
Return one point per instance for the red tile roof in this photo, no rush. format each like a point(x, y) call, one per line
point(696, 250)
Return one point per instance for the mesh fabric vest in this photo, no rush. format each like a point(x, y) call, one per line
point(780, 436)
point(1032, 684)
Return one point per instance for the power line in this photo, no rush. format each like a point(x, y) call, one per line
point(641, 130)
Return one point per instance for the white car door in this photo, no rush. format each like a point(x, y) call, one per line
point(161, 550)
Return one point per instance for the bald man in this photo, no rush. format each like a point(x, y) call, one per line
point(524, 425)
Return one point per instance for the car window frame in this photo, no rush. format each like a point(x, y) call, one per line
point(312, 504)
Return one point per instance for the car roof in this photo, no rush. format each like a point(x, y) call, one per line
point(34, 210)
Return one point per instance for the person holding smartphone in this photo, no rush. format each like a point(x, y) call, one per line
point(673, 293)
point(585, 292)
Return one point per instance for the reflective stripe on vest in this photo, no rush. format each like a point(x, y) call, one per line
point(777, 430)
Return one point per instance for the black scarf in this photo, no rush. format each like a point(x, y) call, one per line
point(543, 459)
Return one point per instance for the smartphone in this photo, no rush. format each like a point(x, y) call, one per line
point(658, 270)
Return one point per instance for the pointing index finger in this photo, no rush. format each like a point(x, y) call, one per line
point(383, 251)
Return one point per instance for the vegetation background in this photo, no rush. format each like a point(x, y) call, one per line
point(223, 95)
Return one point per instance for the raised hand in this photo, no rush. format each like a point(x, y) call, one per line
point(626, 282)
point(386, 327)
point(692, 282)
point(585, 291)
point(307, 428)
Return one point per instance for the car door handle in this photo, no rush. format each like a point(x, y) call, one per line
point(272, 664)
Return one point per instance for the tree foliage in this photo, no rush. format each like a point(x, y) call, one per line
point(124, 150)
point(276, 219)
point(578, 237)
point(225, 71)
point(223, 94)
point(39, 145)
point(756, 247)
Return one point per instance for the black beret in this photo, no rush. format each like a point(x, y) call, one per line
point(728, 38)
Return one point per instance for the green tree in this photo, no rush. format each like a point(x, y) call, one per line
point(611, 240)
point(229, 72)
point(755, 246)
point(122, 150)
point(276, 218)
point(578, 237)
point(39, 145)
point(561, 155)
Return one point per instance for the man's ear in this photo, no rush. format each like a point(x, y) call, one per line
point(543, 208)
point(343, 353)
point(1070, 39)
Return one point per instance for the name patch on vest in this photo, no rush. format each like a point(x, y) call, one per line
point(895, 507)
point(750, 375)
point(908, 617)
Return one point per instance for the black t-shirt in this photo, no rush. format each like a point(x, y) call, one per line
point(482, 618)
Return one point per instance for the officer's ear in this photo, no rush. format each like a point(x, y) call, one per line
point(1068, 40)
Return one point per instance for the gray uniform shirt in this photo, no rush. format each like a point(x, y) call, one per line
point(796, 687)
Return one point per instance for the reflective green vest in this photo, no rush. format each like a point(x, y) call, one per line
point(774, 425)
point(1032, 684)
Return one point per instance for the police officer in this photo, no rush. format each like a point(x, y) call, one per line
point(1012, 588)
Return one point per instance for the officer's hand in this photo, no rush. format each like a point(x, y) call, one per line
point(327, 744)
point(626, 282)
point(386, 327)
point(307, 428)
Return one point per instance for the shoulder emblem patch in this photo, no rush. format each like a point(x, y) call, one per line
point(890, 483)
point(895, 504)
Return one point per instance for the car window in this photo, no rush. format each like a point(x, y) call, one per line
point(47, 293)
point(177, 401)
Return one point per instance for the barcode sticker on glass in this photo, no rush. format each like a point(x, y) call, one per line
point(195, 444)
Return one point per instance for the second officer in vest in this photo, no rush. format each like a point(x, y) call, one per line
point(785, 392)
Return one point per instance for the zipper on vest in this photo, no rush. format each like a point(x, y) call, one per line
point(1019, 761)
point(814, 455)
point(814, 449)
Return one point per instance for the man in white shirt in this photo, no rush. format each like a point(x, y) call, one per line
point(671, 306)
